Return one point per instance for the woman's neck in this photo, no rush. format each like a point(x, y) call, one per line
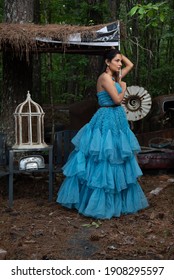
point(112, 75)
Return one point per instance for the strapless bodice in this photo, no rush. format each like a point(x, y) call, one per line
point(104, 98)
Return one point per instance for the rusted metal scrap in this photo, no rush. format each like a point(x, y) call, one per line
point(150, 158)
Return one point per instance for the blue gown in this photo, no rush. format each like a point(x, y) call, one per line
point(102, 170)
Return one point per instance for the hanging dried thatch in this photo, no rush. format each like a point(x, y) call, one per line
point(22, 38)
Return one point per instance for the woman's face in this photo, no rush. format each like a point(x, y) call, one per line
point(115, 64)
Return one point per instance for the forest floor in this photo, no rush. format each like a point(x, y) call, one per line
point(35, 229)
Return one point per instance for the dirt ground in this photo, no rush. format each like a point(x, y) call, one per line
point(35, 229)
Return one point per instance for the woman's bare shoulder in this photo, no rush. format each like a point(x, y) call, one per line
point(103, 79)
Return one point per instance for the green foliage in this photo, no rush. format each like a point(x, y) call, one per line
point(1, 10)
point(74, 12)
point(95, 13)
point(154, 14)
point(162, 80)
point(67, 77)
point(59, 11)
point(69, 72)
point(152, 34)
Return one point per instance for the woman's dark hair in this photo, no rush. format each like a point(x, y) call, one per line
point(109, 54)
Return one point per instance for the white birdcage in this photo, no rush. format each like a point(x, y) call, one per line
point(29, 125)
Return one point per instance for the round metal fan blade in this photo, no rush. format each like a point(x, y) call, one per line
point(137, 103)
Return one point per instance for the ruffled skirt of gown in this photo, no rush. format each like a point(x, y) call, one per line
point(102, 170)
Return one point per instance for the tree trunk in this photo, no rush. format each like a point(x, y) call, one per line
point(17, 72)
point(20, 11)
point(114, 7)
point(36, 61)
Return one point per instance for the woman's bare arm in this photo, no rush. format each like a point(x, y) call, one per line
point(109, 85)
point(128, 66)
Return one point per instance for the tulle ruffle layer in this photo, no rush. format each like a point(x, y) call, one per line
point(98, 203)
point(102, 171)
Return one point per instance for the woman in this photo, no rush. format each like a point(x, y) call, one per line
point(102, 171)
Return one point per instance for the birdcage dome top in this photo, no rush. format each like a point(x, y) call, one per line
point(29, 107)
point(29, 125)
